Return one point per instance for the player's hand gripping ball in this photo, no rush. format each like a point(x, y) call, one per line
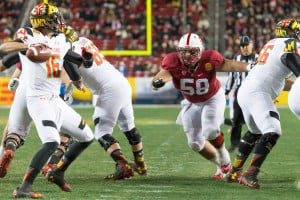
point(38, 53)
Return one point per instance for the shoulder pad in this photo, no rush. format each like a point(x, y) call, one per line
point(21, 34)
point(29, 31)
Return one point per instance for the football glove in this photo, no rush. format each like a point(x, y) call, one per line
point(68, 94)
point(13, 84)
point(68, 99)
point(158, 83)
point(87, 58)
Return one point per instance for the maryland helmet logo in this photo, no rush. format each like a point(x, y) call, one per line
point(280, 32)
point(287, 27)
point(45, 15)
point(290, 46)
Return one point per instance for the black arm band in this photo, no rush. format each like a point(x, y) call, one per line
point(292, 61)
point(158, 83)
point(10, 59)
point(72, 70)
point(73, 57)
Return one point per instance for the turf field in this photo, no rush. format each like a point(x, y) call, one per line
point(175, 171)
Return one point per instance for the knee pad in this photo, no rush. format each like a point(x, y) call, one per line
point(133, 136)
point(107, 140)
point(218, 141)
point(67, 143)
point(247, 144)
point(15, 139)
point(266, 143)
point(250, 138)
point(57, 155)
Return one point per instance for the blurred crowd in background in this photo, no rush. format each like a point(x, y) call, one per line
point(121, 25)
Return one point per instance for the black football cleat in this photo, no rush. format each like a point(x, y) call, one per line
point(123, 170)
point(233, 175)
point(5, 162)
point(249, 178)
point(57, 177)
point(18, 193)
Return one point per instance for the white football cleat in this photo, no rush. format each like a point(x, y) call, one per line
point(219, 174)
point(225, 161)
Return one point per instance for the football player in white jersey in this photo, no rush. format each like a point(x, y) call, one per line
point(19, 117)
point(275, 63)
point(114, 105)
point(45, 107)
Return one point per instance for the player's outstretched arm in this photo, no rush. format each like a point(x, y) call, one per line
point(233, 66)
point(8, 61)
point(160, 79)
point(9, 47)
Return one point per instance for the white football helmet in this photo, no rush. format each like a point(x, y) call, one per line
point(190, 48)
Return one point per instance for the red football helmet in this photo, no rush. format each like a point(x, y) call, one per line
point(46, 16)
point(190, 48)
point(288, 28)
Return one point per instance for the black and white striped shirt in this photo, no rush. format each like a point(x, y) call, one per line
point(235, 79)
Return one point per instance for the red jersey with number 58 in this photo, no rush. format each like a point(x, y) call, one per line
point(199, 85)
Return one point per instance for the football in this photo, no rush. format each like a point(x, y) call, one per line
point(38, 53)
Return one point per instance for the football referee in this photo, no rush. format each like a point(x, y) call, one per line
point(234, 81)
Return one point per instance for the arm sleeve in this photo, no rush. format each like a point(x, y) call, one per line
point(71, 63)
point(10, 59)
point(292, 61)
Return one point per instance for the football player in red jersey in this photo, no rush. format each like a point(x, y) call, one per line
point(193, 71)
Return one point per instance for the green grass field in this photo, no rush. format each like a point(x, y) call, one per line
point(175, 171)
